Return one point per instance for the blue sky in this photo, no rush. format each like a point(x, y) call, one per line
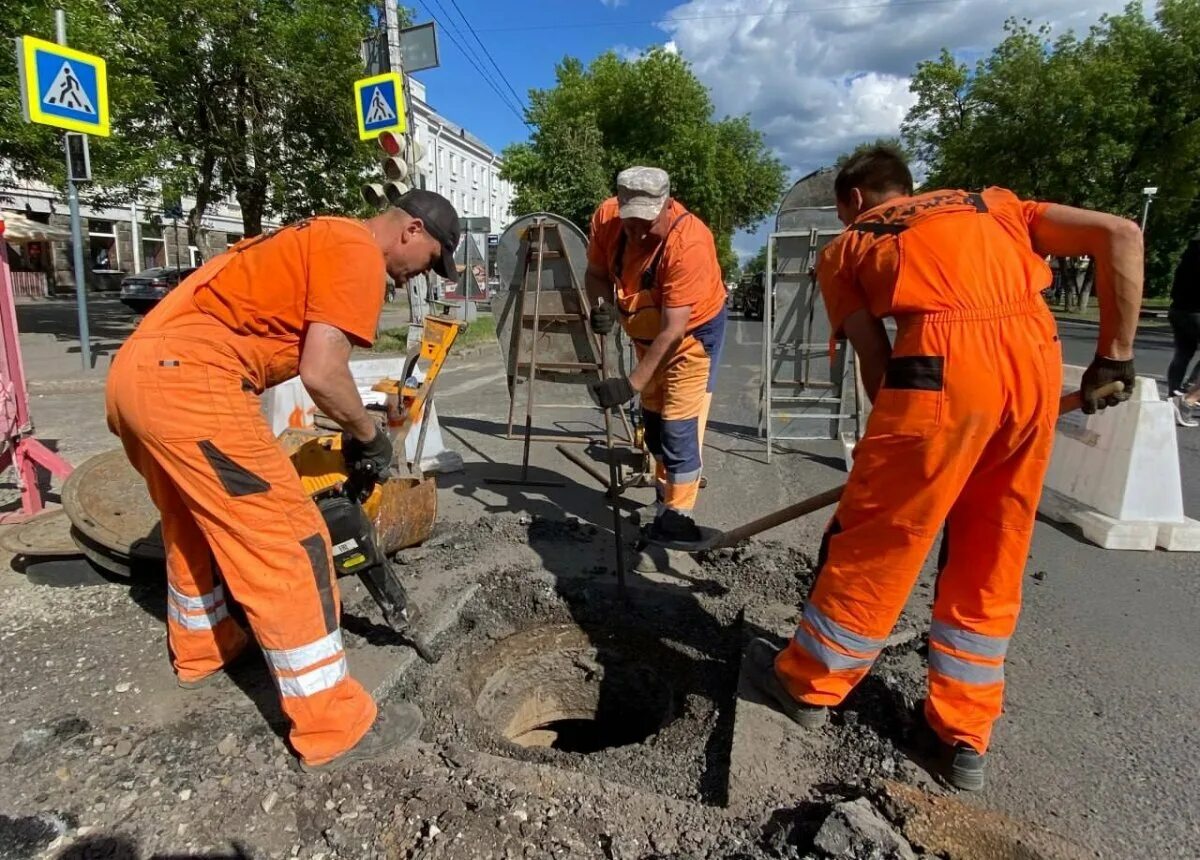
point(815, 76)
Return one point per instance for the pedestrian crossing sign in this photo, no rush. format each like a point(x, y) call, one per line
point(63, 87)
point(379, 102)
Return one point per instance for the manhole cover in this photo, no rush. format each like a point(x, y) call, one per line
point(107, 502)
point(562, 688)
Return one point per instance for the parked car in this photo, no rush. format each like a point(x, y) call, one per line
point(751, 296)
point(142, 291)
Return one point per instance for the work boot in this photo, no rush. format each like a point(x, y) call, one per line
point(395, 725)
point(963, 767)
point(758, 665)
point(673, 527)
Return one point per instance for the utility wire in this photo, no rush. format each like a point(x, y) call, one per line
point(451, 33)
point(790, 11)
point(488, 54)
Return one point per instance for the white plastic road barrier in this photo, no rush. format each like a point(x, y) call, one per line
point(1115, 475)
point(288, 405)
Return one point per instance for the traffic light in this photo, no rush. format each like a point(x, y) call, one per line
point(395, 173)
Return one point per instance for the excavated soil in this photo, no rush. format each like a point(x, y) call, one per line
point(560, 722)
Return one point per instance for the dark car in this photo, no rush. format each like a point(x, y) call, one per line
point(147, 288)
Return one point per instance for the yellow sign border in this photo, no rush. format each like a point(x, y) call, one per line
point(361, 84)
point(31, 90)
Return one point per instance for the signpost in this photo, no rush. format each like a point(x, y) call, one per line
point(67, 89)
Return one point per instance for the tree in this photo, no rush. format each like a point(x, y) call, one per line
point(598, 120)
point(758, 263)
point(1088, 122)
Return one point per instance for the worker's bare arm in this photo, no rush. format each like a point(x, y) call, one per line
point(597, 284)
point(1115, 246)
point(870, 341)
point(325, 372)
point(670, 335)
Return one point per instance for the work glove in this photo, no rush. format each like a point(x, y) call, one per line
point(1101, 372)
point(611, 392)
point(374, 456)
point(603, 320)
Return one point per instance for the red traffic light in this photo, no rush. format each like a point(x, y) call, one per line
point(391, 142)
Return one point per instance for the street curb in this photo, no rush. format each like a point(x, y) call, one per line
point(1149, 324)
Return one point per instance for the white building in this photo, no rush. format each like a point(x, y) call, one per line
point(460, 166)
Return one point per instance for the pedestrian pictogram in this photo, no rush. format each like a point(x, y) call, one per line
point(63, 87)
point(380, 105)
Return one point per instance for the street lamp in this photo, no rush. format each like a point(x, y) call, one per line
point(1149, 194)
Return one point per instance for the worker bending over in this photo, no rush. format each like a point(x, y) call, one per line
point(660, 264)
point(965, 403)
point(183, 396)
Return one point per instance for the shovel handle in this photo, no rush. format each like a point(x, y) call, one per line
point(1068, 403)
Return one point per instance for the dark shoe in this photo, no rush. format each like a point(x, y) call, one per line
point(673, 527)
point(758, 665)
point(964, 767)
point(222, 673)
point(396, 725)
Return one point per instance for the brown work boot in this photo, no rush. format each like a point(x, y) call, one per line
point(758, 665)
point(395, 725)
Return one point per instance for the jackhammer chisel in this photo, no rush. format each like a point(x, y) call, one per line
point(356, 551)
point(714, 539)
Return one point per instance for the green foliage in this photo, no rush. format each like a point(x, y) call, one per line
point(613, 114)
point(244, 97)
point(1088, 122)
point(758, 263)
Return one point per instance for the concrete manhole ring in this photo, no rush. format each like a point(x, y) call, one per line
point(562, 688)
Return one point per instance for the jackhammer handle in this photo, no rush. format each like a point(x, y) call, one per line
point(1068, 403)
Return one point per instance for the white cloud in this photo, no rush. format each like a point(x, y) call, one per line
point(818, 83)
point(613, 4)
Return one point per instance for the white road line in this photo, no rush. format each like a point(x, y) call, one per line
point(471, 384)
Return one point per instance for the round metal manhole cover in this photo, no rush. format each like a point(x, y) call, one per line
point(107, 501)
point(48, 535)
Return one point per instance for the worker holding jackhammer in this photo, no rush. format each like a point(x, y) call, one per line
point(183, 397)
point(653, 264)
point(965, 404)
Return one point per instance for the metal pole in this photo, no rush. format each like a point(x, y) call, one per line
point(614, 479)
point(85, 340)
point(1146, 212)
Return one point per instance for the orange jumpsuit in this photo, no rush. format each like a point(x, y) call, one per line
point(960, 435)
point(183, 397)
point(682, 271)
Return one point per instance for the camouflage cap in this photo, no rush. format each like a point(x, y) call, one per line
point(642, 192)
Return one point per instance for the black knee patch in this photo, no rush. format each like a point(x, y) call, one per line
point(235, 478)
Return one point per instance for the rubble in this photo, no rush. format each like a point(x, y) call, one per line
point(854, 830)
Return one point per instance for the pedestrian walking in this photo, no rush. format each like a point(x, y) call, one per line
point(1184, 316)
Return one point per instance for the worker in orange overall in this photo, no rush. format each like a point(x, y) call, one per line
point(965, 404)
point(660, 263)
point(183, 396)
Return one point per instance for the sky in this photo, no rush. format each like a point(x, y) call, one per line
point(816, 77)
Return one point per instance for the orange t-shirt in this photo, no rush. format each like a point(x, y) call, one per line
point(257, 298)
point(688, 273)
point(939, 251)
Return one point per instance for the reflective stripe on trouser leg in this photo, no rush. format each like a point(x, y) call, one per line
point(201, 635)
point(271, 546)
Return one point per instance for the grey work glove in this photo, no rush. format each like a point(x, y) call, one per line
point(611, 392)
point(603, 320)
point(374, 456)
point(1101, 372)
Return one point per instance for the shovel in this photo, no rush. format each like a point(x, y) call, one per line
point(715, 539)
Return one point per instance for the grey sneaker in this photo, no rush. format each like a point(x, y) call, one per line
point(396, 724)
point(758, 664)
point(964, 769)
point(1184, 412)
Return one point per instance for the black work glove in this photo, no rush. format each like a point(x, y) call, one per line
point(1101, 372)
point(373, 457)
point(603, 320)
point(611, 392)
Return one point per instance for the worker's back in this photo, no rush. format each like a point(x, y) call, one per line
point(254, 301)
point(934, 252)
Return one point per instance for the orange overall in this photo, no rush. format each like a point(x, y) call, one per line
point(960, 435)
point(183, 397)
point(682, 271)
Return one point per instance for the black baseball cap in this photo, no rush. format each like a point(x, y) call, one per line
point(441, 222)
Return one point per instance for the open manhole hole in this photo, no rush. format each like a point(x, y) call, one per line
point(562, 688)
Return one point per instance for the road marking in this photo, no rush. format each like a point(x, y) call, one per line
point(471, 384)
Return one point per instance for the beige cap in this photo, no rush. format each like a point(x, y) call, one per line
point(642, 192)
